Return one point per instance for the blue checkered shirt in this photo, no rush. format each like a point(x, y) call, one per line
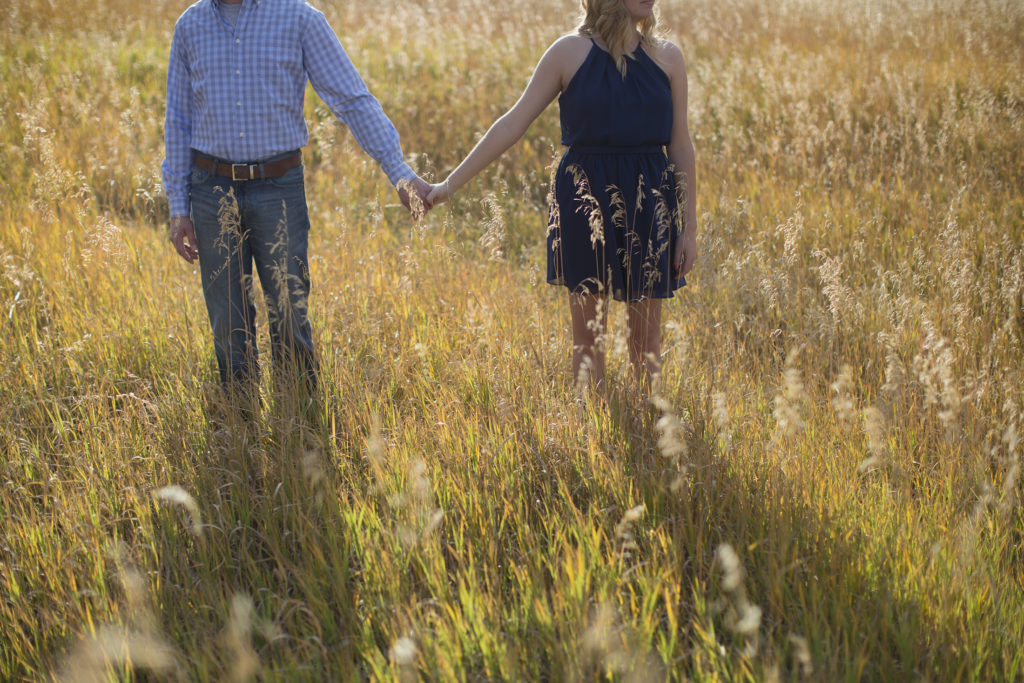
point(237, 93)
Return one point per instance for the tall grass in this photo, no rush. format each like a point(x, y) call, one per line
point(827, 487)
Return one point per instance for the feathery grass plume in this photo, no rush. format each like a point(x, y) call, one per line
point(610, 647)
point(671, 441)
point(874, 433)
point(742, 617)
point(100, 658)
point(583, 374)
point(312, 461)
point(422, 517)
point(843, 304)
point(554, 229)
point(804, 664)
point(106, 244)
point(178, 496)
point(617, 205)
point(403, 653)
point(416, 205)
point(243, 663)
point(624, 530)
point(933, 366)
point(598, 327)
point(788, 402)
point(732, 569)
point(720, 416)
point(279, 312)
point(600, 642)
point(137, 644)
point(619, 346)
point(587, 204)
point(791, 232)
point(965, 538)
point(136, 593)
point(895, 374)
point(842, 402)
point(494, 235)
point(229, 219)
point(376, 453)
point(1011, 441)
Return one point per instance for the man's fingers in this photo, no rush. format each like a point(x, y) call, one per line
point(182, 234)
point(186, 251)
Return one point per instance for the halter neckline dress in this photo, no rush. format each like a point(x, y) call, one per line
point(613, 215)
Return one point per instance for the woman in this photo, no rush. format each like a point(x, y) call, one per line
point(613, 224)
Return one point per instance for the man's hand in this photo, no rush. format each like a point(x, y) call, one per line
point(413, 194)
point(183, 236)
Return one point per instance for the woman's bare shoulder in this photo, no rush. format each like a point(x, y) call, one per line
point(571, 44)
point(668, 55)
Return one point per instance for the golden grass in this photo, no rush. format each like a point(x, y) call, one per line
point(828, 488)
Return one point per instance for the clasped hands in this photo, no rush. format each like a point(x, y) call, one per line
point(419, 196)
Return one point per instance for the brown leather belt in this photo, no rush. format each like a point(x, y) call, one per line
point(254, 171)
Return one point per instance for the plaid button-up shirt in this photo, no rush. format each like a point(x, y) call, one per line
point(236, 93)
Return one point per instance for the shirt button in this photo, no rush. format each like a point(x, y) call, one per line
point(237, 72)
point(239, 103)
point(241, 135)
point(237, 41)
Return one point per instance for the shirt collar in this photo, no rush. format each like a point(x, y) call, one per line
point(216, 4)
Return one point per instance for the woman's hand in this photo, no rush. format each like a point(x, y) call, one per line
point(439, 193)
point(685, 253)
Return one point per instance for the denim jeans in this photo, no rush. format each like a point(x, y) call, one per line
point(239, 223)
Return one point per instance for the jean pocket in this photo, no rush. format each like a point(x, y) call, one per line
point(198, 176)
point(292, 178)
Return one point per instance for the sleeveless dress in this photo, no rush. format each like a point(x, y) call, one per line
point(613, 214)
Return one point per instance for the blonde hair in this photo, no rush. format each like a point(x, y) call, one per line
point(610, 20)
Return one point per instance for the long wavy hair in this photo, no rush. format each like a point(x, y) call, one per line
point(610, 20)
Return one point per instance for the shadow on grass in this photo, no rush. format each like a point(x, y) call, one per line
point(818, 579)
point(264, 482)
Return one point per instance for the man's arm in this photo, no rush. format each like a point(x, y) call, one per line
point(177, 151)
point(340, 86)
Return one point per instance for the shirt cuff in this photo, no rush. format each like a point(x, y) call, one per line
point(179, 208)
point(398, 171)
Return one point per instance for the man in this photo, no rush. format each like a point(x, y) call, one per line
point(233, 171)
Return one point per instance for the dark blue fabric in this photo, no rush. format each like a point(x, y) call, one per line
point(613, 220)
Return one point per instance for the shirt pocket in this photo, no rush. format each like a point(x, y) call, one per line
point(282, 76)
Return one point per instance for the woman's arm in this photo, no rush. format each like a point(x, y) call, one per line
point(545, 84)
point(681, 155)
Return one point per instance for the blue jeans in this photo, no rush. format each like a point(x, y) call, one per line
point(239, 223)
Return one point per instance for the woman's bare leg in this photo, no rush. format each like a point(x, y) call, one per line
point(644, 320)
point(589, 324)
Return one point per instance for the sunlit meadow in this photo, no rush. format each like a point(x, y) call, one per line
point(826, 487)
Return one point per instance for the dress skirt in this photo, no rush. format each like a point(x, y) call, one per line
point(613, 223)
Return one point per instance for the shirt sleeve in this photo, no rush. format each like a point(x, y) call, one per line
point(340, 86)
point(177, 129)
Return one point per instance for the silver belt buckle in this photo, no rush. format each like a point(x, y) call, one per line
point(247, 169)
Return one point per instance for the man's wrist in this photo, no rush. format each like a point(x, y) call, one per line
point(401, 172)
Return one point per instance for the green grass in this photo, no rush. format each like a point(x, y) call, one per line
point(841, 400)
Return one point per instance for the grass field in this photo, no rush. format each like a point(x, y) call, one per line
point(827, 488)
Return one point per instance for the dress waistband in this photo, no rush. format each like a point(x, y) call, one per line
point(638, 149)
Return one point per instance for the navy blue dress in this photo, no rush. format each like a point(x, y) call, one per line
point(613, 217)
